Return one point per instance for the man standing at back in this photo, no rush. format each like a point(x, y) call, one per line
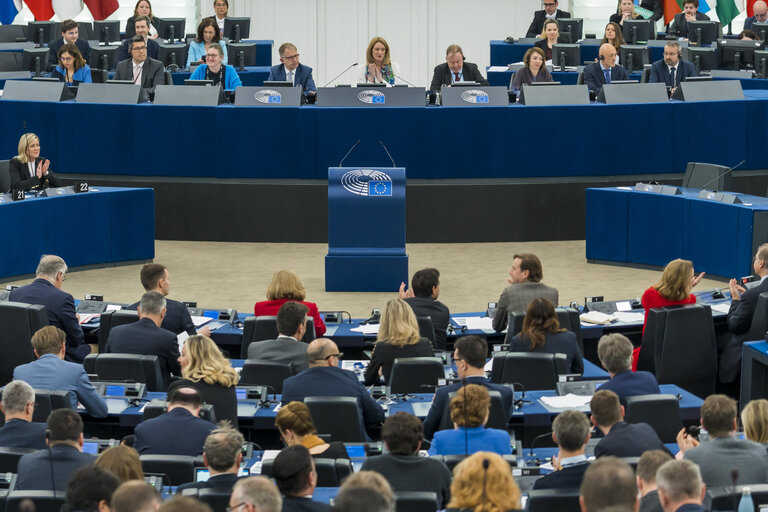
point(550, 11)
point(422, 297)
point(525, 280)
point(154, 278)
point(288, 347)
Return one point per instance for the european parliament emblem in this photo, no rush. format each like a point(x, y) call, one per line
point(379, 188)
point(268, 96)
point(372, 97)
point(367, 182)
point(475, 96)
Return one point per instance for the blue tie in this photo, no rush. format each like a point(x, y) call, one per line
point(607, 73)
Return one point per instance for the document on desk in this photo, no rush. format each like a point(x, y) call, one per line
point(630, 318)
point(722, 307)
point(596, 317)
point(84, 318)
point(569, 401)
point(367, 329)
point(478, 323)
point(200, 321)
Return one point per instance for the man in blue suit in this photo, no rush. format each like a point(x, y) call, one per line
point(60, 306)
point(620, 439)
point(469, 353)
point(18, 406)
point(615, 354)
point(672, 68)
point(70, 32)
point(605, 70)
point(570, 431)
point(291, 70)
point(50, 371)
point(154, 278)
point(760, 10)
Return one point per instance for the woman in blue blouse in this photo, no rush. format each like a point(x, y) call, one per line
point(72, 69)
point(213, 69)
point(207, 33)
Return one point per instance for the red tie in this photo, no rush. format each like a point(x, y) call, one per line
point(457, 76)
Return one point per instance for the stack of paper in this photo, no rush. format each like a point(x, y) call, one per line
point(569, 401)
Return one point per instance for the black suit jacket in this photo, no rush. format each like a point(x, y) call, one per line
point(660, 72)
point(34, 470)
point(152, 74)
point(629, 440)
point(442, 75)
point(56, 44)
point(145, 338)
point(304, 505)
point(152, 47)
point(17, 433)
point(384, 355)
point(176, 432)
point(594, 78)
point(130, 26)
point(437, 312)
point(223, 482)
point(177, 318)
point(739, 321)
point(20, 176)
point(537, 25)
point(679, 26)
point(223, 400)
point(569, 477)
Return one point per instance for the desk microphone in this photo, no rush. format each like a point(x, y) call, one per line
point(404, 80)
point(720, 176)
point(533, 443)
point(337, 76)
point(48, 441)
point(389, 155)
point(348, 152)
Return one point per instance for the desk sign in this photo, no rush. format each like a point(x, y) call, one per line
point(18, 195)
point(371, 97)
point(480, 96)
point(268, 96)
point(81, 186)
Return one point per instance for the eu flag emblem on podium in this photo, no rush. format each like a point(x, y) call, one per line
point(379, 188)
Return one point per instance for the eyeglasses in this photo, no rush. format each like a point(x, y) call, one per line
point(66, 59)
point(292, 57)
point(232, 509)
point(139, 48)
point(219, 5)
point(761, 16)
point(549, 4)
point(337, 356)
point(211, 55)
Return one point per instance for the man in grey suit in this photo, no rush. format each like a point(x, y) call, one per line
point(724, 454)
point(141, 69)
point(525, 278)
point(288, 347)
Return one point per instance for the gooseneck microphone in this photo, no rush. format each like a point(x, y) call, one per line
point(533, 443)
point(723, 174)
point(388, 154)
point(48, 441)
point(404, 80)
point(348, 152)
point(337, 76)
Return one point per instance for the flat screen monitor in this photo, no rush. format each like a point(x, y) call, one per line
point(35, 60)
point(571, 29)
point(540, 84)
point(761, 62)
point(125, 82)
point(198, 82)
point(697, 79)
point(277, 83)
point(40, 32)
point(634, 57)
point(103, 57)
point(91, 447)
point(761, 29)
point(236, 29)
point(738, 54)
point(170, 29)
point(704, 59)
point(638, 31)
point(241, 54)
point(703, 33)
point(172, 54)
point(107, 31)
point(566, 55)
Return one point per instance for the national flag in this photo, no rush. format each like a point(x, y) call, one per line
point(726, 9)
point(8, 10)
point(101, 9)
point(379, 188)
point(67, 9)
point(750, 5)
point(672, 7)
point(41, 9)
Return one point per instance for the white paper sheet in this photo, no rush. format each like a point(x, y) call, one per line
point(569, 401)
point(367, 329)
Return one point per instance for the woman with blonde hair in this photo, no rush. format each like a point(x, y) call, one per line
point(28, 169)
point(123, 461)
point(483, 482)
point(205, 368)
point(754, 417)
point(295, 425)
point(625, 10)
point(549, 35)
point(398, 337)
point(378, 68)
point(286, 286)
point(142, 8)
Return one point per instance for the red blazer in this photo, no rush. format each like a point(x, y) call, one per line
point(653, 299)
point(270, 307)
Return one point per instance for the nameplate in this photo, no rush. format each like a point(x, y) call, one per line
point(118, 94)
point(57, 191)
point(371, 97)
point(205, 96)
point(633, 93)
point(80, 187)
point(720, 197)
point(18, 90)
point(667, 190)
point(554, 95)
point(268, 96)
point(474, 96)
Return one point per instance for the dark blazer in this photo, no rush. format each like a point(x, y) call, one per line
point(282, 350)
point(303, 76)
point(543, 46)
point(558, 343)
point(152, 48)
point(437, 312)
point(17, 433)
point(629, 440)
point(739, 321)
point(304, 505)
point(650, 502)
point(660, 72)
point(176, 432)
point(223, 400)
point(442, 75)
point(655, 6)
point(146, 338)
point(177, 318)
point(749, 22)
point(441, 401)
point(34, 469)
point(569, 477)
point(595, 79)
point(629, 383)
point(20, 176)
point(55, 45)
point(61, 313)
point(152, 74)
point(384, 355)
point(537, 25)
point(412, 473)
point(222, 482)
point(130, 26)
point(679, 25)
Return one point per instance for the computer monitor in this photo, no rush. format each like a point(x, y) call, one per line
point(241, 54)
point(197, 82)
point(704, 59)
point(761, 29)
point(697, 79)
point(35, 60)
point(703, 33)
point(638, 31)
point(277, 83)
point(172, 54)
point(566, 55)
point(738, 54)
point(170, 29)
point(107, 31)
point(103, 57)
point(40, 32)
point(571, 29)
point(540, 84)
point(236, 29)
point(761, 62)
point(634, 57)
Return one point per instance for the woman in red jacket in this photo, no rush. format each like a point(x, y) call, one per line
point(286, 286)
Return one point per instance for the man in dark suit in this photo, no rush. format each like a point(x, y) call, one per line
point(288, 347)
point(154, 278)
point(296, 478)
point(570, 431)
point(292, 70)
point(469, 353)
point(760, 10)
point(18, 405)
point(672, 69)
point(608, 483)
point(615, 354)
point(680, 487)
point(140, 69)
point(222, 454)
point(60, 306)
point(422, 297)
point(605, 70)
point(146, 337)
point(69, 34)
point(455, 69)
point(142, 29)
point(647, 466)
point(179, 431)
point(64, 458)
point(620, 439)
point(679, 25)
point(550, 11)
point(256, 493)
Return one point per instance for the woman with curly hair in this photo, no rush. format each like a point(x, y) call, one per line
point(483, 482)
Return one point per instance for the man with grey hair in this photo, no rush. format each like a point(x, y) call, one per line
point(146, 337)
point(680, 487)
point(615, 354)
point(136, 496)
point(571, 431)
point(222, 455)
point(19, 430)
point(255, 494)
point(46, 291)
point(608, 484)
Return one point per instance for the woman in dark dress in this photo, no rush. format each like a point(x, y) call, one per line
point(28, 169)
point(295, 425)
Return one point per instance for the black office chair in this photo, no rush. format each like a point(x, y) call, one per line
point(713, 176)
point(265, 373)
point(110, 319)
point(168, 78)
point(727, 498)
point(12, 34)
point(43, 500)
point(217, 499)
point(260, 328)
point(662, 412)
point(9, 458)
point(496, 417)
point(534, 370)
point(156, 407)
point(330, 472)
point(416, 501)
point(759, 325)
point(336, 416)
point(547, 500)
point(567, 317)
point(128, 368)
point(645, 74)
point(11, 61)
point(18, 322)
point(176, 469)
point(415, 375)
point(5, 175)
point(99, 76)
point(426, 328)
point(47, 400)
point(452, 460)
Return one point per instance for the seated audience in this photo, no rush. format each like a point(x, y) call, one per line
point(422, 297)
point(142, 8)
point(625, 10)
point(525, 285)
point(676, 281)
point(63, 459)
point(207, 32)
point(550, 11)
point(155, 278)
point(542, 334)
point(754, 417)
point(136, 496)
point(680, 487)
point(296, 427)
point(760, 15)
point(619, 438)
point(139, 68)
point(570, 431)
point(378, 67)
point(454, 69)
point(605, 70)
point(469, 413)
point(28, 170)
point(292, 70)
point(549, 36)
point(679, 25)
point(215, 70)
point(18, 406)
point(613, 35)
point(141, 25)
point(222, 455)
point(90, 490)
point(122, 461)
point(221, 9)
point(483, 481)
point(294, 472)
point(160, 435)
point(725, 454)
point(647, 466)
point(255, 494)
point(50, 371)
point(354, 500)
point(748, 35)
point(70, 33)
point(398, 337)
point(671, 70)
point(609, 483)
point(402, 466)
point(286, 286)
point(534, 71)
point(372, 480)
point(615, 354)
point(288, 347)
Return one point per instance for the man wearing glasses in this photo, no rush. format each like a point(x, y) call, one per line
point(140, 69)
point(539, 17)
point(141, 23)
point(291, 70)
point(760, 9)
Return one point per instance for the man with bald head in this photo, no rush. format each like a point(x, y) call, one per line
point(325, 378)
point(605, 70)
point(760, 10)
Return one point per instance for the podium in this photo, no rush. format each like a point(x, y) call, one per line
point(366, 230)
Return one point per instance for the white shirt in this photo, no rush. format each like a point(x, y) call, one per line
point(287, 72)
point(137, 75)
point(32, 170)
point(220, 23)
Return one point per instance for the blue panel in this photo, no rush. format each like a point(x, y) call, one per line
point(132, 217)
point(365, 273)
point(655, 228)
point(25, 224)
point(710, 221)
point(73, 215)
point(606, 223)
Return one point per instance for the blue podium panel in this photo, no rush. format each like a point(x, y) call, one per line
point(606, 225)
point(647, 242)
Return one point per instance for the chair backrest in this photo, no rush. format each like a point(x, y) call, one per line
point(759, 324)
point(416, 501)
point(43, 500)
point(217, 499)
point(330, 472)
point(426, 328)
point(47, 400)
point(567, 317)
point(337, 417)
point(110, 319)
point(547, 500)
point(726, 498)
point(534, 370)
point(496, 417)
point(9, 458)
point(11, 33)
point(99, 76)
point(713, 176)
point(662, 412)
point(415, 375)
point(18, 322)
point(5, 176)
point(178, 469)
point(265, 373)
point(260, 328)
point(131, 367)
